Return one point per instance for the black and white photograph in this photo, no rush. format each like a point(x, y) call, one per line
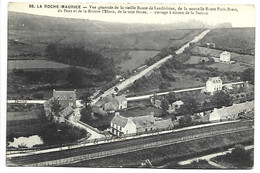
point(130, 85)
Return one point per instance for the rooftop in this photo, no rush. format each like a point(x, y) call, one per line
point(64, 95)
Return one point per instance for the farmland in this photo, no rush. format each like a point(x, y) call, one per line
point(240, 40)
point(247, 59)
point(35, 64)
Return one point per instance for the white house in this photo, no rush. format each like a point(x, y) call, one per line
point(213, 84)
point(225, 56)
point(231, 112)
point(121, 126)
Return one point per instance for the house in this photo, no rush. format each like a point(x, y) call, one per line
point(121, 126)
point(225, 57)
point(65, 98)
point(174, 106)
point(213, 84)
point(231, 112)
point(211, 45)
point(111, 103)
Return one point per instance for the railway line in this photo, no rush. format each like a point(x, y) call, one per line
point(124, 146)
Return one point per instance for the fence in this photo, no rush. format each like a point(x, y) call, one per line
point(133, 148)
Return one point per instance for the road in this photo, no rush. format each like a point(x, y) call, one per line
point(147, 96)
point(168, 138)
point(210, 156)
point(133, 78)
point(149, 69)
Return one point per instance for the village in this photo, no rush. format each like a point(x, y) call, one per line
point(129, 116)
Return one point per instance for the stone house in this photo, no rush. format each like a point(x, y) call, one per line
point(65, 98)
point(111, 103)
point(213, 84)
point(121, 126)
point(231, 112)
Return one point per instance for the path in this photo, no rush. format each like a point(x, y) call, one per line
point(74, 120)
point(210, 156)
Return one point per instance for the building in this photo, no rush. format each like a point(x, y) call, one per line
point(225, 57)
point(174, 106)
point(112, 103)
point(121, 126)
point(65, 98)
point(213, 84)
point(231, 112)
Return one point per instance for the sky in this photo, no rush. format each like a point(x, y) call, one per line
point(244, 16)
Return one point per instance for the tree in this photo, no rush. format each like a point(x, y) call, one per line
point(85, 99)
point(248, 75)
point(241, 156)
point(74, 76)
point(185, 121)
point(171, 97)
point(165, 105)
point(164, 85)
point(55, 107)
point(220, 99)
point(189, 105)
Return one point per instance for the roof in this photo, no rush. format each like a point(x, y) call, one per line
point(120, 98)
point(215, 79)
point(111, 99)
point(143, 121)
point(178, 102)
point(234, 109)
point(162, 124)
point(119, 120)
point(66, 112)
point(64, 95)
point(225, 53)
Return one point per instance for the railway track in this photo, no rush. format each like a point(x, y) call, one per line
point(91, 152)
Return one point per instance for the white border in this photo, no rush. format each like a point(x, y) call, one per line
point(3, 71)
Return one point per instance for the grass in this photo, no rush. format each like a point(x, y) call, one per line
point(135, 112)
point(227, 162)
point(196, 60)
point(35, 64)
point(241, 40)
point(14, 116)
point(228, 67)
point(203, 51)
point(137, 59)
point(163, 155)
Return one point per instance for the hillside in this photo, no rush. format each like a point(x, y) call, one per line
point(240, 40)
point(29, 22)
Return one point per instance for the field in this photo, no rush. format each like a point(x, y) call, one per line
point(196, 60)
point(23, 122)
point(247, 59)
point(35, 64)
point(240, 40)
point(228, 67)
point(142, 111)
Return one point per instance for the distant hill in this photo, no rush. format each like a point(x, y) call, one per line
point(29, 22)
